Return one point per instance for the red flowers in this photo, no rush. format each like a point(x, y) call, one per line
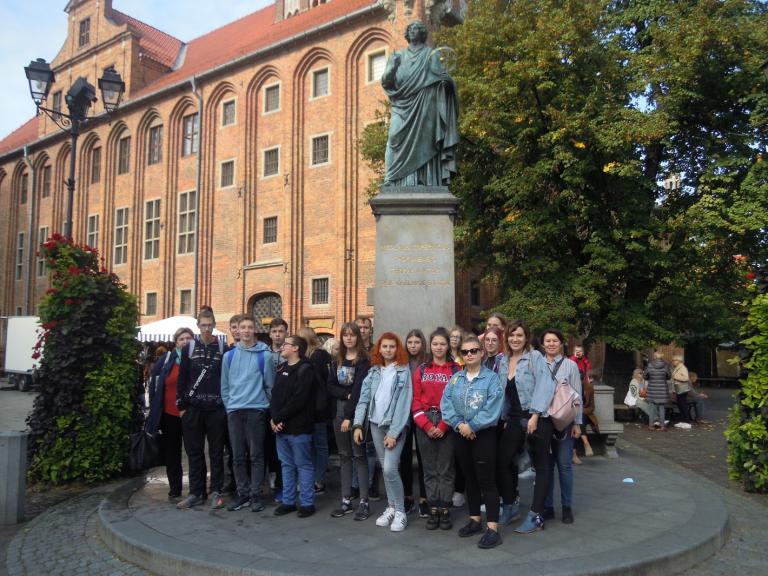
point(69, 301)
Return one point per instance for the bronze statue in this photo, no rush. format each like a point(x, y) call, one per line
point(423, 129)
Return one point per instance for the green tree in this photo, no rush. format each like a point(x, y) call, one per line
point(573, 115)
point(86, 407)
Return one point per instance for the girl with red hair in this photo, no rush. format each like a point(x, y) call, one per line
point(384, 407)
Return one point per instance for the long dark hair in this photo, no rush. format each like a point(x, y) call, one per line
point(439, 331)
point(361, 353)
point(511, 327)
point(422, 355)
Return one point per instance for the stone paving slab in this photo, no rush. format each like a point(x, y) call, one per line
point(661, 523)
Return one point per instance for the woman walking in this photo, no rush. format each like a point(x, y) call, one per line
point(345, 380)
point(164, 416)
point(471, 405)
point(434, 437)
point(384, 404)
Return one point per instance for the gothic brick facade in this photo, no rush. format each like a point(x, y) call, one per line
point(251, 130)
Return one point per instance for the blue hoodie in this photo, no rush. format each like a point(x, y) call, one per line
point(243, 384)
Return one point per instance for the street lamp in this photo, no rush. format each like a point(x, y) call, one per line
point(79, 99)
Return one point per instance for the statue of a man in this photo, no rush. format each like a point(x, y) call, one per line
point(423, 129)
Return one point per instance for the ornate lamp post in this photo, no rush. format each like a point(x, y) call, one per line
point(79, 99)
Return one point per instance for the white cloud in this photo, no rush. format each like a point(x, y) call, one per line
point(29, 30)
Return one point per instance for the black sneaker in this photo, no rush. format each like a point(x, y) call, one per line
point(257, 505)
point(423, 510)
point(239, 503)
point(433, 522)
point(306, 511)
point(490, 539)
point(549, 514)
point(284, 509)
point(470, 528)
point(410, 505)
point(363, 511)
point(346, 508)
point(373, 493)
point(445, 519)
point(567, 515)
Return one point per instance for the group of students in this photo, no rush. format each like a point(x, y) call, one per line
point(473, 404)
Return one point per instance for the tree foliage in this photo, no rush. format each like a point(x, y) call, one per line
point(573, 115)
point(86, 407)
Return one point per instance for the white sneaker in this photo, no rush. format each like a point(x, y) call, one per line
point(399, 522)
point(386, 517)
point(458, 499)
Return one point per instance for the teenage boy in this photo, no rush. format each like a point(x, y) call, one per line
point(278, 330)
point(198, 397)
point(293, 410)
point(234, 322)
point(366, 331)
point(246, 387)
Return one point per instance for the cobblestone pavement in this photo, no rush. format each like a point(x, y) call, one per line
point(64, 542)
point(703, 451)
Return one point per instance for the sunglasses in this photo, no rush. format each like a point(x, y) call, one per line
point(472, 351)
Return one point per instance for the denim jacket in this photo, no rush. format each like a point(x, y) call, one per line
point(399, 410)
point(478, 403)
point(535, 386)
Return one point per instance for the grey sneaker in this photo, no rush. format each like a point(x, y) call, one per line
point(217, 502)
point(190, 501)
point(363, 511)
point(346, 508)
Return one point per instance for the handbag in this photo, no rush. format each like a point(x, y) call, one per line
point(144, 452)
point(565, 402)
point(630, 400)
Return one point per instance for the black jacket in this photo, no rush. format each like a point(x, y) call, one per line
point(204, 360)
point(321, 361)
point(293, 399)
point(339, 391)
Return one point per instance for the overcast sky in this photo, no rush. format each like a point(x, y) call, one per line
point(32, 29)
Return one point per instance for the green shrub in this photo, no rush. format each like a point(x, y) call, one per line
point(88, 374)
point(747, 431)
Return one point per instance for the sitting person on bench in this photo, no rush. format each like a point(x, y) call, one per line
point(635, 397)
point(696, 397)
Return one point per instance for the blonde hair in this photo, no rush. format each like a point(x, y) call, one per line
point(637, 374)
point(311, 337)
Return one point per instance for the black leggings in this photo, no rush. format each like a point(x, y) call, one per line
point(540, 443)
point(511, 440)
point(682, 405)
point(477, 459)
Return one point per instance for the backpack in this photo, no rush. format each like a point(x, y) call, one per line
point(260, 358)
point(565, 402)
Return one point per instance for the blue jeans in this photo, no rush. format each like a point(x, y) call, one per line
point(562, 457)
point(320, 451)
point(295, 453)
point(246, 434)
point(389, 458)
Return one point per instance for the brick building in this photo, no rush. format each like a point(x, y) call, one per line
point(232, 159)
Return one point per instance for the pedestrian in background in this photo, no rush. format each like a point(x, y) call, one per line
point(656, 375)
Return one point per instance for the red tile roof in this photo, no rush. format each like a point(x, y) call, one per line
point(23, 135)
point(231, 41)
point(156, 44)
point(248, 34)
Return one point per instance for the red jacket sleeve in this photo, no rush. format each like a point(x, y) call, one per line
point(417, 405)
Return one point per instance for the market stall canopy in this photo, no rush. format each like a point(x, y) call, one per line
point(163, 330)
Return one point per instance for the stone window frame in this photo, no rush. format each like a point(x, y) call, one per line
point(46, 179)
point(84, 32)
point(150, 297)
point(312, 139)
point(312, 75)
point(121, 230)
point(222, 185)
point(313, 293)
point(189, 232)
point(155, 144)
point(42, 236)
point(279, 86)
point(152, 225)
point(264, 175)
point(274, 218)
point(369, 55)
point(185, 292)
point(92, 232)
point(224, 104)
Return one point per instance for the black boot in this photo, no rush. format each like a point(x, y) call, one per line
point(445, 519)
point(433, 521)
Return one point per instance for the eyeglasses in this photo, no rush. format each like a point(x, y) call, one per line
point(472, 351)
point(205, 326)
point(286, 343)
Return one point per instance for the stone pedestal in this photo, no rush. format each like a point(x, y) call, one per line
point(609, 428)
point(13, 474)
point(415, 269)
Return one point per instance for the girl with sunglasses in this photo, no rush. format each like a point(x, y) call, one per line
point(471, 406)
